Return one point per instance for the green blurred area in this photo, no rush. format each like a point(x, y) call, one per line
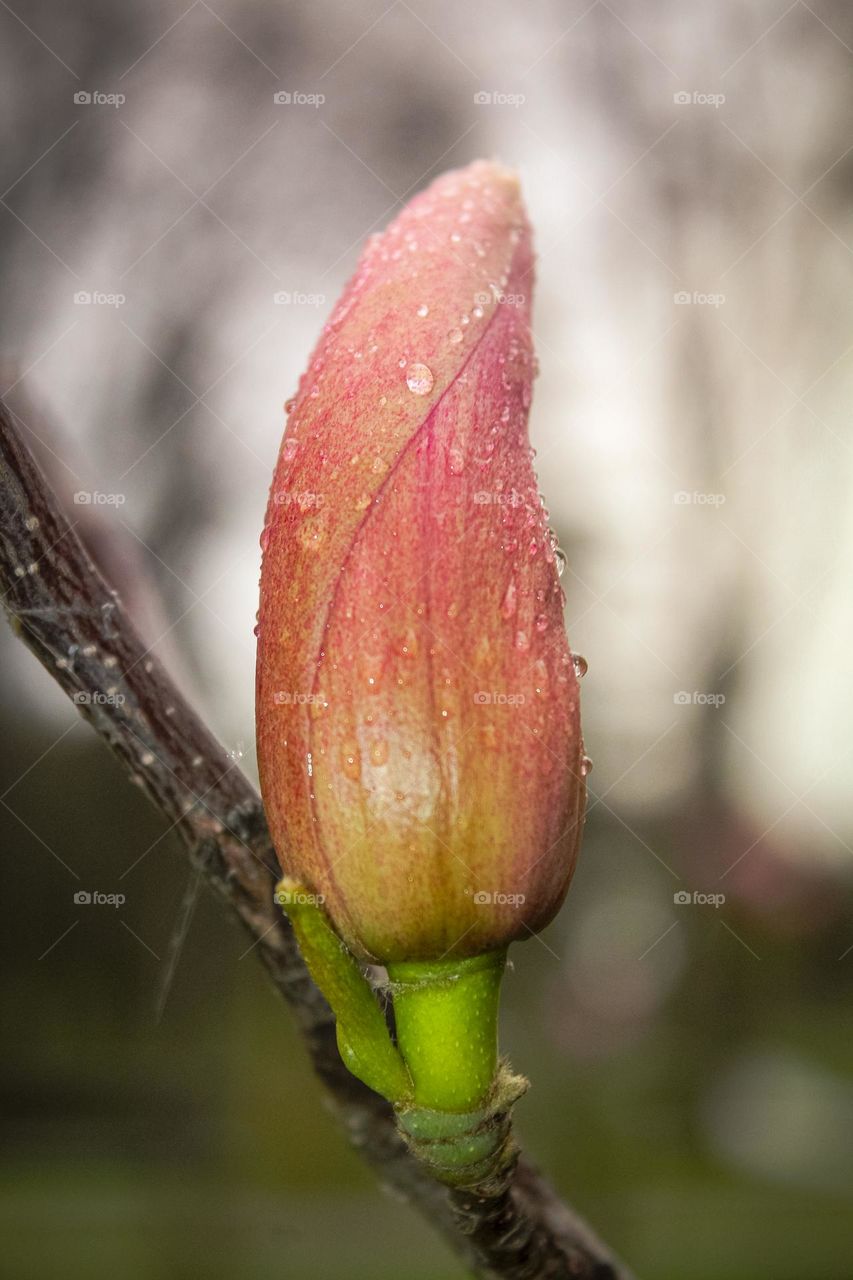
point(694, 1103)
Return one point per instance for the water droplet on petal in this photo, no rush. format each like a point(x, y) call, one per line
point(580, 665)
point(351, 760)
point(265, 537)
point(379, 752)
point(409, 646)
point(560, 557)
point(419, 379)
point(510, 601)
point(522, 641)
point(455, 335)
point(541, 622)
point(290, 405)
point(586, 766)
point(289, 448)
point(455, 461)
point(423, 309)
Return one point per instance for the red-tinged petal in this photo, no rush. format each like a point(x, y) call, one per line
point(418, 723)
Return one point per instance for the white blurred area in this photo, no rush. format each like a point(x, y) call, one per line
point(199, 198)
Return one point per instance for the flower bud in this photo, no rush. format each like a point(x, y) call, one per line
point(417, 703)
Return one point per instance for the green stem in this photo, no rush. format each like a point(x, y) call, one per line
point(458, 1122)
point(446, 1014)
point(362, 1034)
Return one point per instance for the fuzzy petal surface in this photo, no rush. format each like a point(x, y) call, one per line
point(418, 717)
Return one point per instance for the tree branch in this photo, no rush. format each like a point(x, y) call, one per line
point(65, 612)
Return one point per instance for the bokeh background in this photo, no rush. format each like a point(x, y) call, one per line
point(688, 170)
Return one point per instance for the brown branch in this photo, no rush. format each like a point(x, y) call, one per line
point(65, 612)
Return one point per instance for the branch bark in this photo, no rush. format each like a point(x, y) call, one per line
point(63, 610)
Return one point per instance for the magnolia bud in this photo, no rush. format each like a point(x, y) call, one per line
point(417, 703)
point(418, 726)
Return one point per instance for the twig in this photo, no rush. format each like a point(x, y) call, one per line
point(65, 612)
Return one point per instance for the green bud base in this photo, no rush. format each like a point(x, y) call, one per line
point(452, 1098)
point(446, 1016)
point(466, 1149)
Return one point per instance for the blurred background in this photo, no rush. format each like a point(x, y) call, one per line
point(172, 237)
